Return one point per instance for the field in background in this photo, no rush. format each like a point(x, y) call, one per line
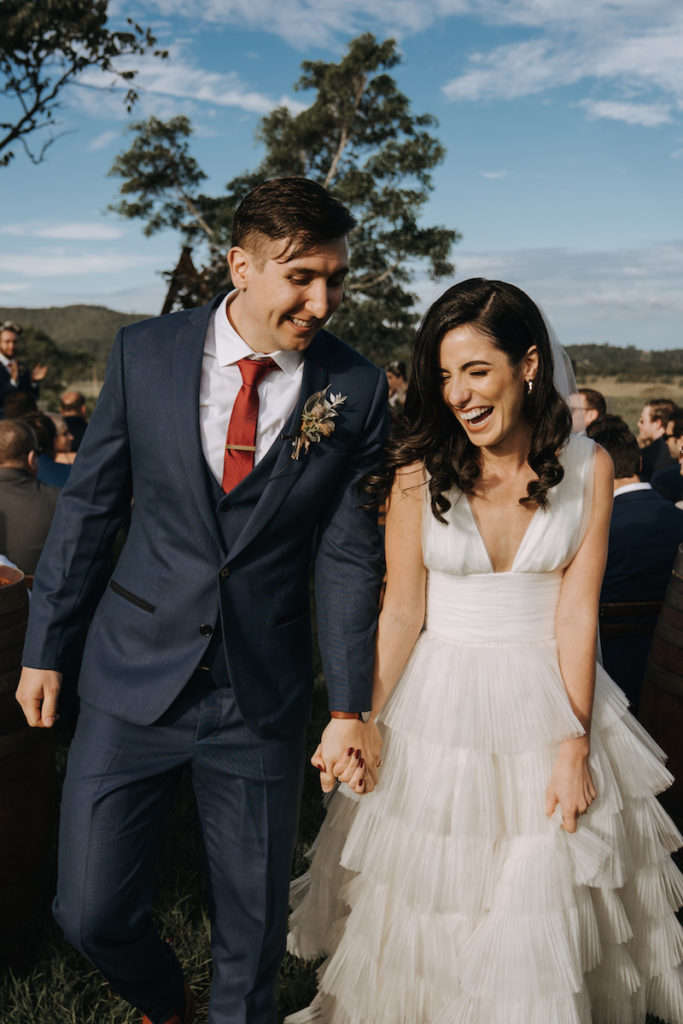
point(626, 398)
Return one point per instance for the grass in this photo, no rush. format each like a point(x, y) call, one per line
point(45, 981)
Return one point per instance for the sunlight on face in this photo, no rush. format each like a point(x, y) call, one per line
point(484, 392)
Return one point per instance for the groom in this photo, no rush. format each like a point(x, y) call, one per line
point(199, 649)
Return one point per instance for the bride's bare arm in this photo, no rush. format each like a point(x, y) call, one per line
point(571, 784)
point(403, 609)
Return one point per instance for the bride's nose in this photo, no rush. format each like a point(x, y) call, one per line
point(456, 393)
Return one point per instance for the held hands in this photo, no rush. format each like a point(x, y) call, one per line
point(37, 693)
point(349, 751)
point(571, 784)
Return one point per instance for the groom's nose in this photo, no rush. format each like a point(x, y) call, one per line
point(317, 299)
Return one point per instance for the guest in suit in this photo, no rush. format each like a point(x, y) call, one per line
point(669, 481)
point(651, 436)
point(72, 408)
point(14, 376)
point(645, 531)
point(199, 651)
point(27, 505)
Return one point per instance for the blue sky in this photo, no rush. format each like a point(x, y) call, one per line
point(562, 120)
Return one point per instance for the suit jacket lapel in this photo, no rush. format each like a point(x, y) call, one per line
point(188, 349)
point(286, 469)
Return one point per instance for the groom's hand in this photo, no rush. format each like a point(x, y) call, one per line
point(37, 693)
point(349, 751)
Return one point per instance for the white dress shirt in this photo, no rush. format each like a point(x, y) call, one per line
point(221, 380)
point(6, 362)
point(627, 488)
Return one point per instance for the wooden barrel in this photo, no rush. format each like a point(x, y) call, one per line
point(27, 776)
point(661, 703)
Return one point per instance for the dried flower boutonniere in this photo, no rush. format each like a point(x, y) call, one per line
point(317, 420)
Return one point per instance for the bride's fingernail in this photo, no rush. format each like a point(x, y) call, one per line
point(357, 754)
point(361, 763)
point(349, 752)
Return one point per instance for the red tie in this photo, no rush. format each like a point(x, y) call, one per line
point(240, 443)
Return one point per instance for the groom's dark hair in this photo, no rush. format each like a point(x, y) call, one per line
point(298, 211)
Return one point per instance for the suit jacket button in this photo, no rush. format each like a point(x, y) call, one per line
point(225, 572)
point(206, 630)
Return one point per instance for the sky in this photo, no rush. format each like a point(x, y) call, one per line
point(562, 121)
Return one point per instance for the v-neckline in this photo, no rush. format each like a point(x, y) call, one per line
point(480, 535)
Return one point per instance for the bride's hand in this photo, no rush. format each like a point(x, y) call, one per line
point(571, 785)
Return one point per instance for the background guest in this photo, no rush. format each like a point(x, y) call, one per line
point(26, 504)
point(64, 453)
point(590, 404)
point(645, 531)
point(398, 385)
point(651, 430)
point(49, 471)
point(669, 481)
point(72, 408)
point(14, 376)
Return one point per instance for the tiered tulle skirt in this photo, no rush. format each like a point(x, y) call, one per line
point(447, 896)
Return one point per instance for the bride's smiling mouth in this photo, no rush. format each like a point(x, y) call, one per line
point(476, 417)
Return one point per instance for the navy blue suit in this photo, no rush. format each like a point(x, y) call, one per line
point(24, 383)
point(645, 531)
point(203, 579)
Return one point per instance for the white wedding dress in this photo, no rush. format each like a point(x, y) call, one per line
point(447, 896)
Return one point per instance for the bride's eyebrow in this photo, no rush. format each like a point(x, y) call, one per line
point(475, 362)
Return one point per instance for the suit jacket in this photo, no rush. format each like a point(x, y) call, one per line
point(27, 506)
point(24, 383)
point(189, 565)
point(655, 457)
point(645, 531)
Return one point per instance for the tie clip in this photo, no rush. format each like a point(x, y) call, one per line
point(241, 447)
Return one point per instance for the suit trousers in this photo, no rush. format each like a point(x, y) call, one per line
point(119, 785)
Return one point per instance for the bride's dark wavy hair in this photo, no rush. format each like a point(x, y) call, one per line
point(430, 433)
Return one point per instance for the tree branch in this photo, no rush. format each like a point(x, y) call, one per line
point(369, 282)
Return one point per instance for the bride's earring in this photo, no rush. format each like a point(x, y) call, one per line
point(529, 387)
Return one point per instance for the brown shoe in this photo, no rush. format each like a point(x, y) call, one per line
point(186, 1018)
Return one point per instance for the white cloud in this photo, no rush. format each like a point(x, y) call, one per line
point(11, 289)
point(494, 175)
point(631, 47)
point(161, 83)
point(647, 114)
point(624, 297)
point(102, 141)
point(70, 231)
point(59, 263)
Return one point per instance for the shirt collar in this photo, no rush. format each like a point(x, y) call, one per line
point(231, 347)
point(4, 360)
point(632, 487)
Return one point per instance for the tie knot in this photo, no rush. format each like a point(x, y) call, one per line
point(254, 370)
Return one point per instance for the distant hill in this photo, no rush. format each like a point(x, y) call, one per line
point(76, 327)
point(93, 328)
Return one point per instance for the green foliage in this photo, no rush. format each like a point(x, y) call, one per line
point(360, 138)
point(159, 167)
point(63, 367)
point(46, 45)
point(627, 364)
point(87, 330)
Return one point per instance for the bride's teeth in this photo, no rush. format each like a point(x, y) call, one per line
point(474, 413)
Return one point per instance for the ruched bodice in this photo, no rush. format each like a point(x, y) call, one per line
point(492, 608)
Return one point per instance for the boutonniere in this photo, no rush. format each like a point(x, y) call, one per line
point(317, 420)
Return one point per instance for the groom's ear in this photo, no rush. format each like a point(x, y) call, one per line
point(238, 264)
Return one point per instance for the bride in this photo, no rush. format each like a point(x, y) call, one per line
point(512, 865)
